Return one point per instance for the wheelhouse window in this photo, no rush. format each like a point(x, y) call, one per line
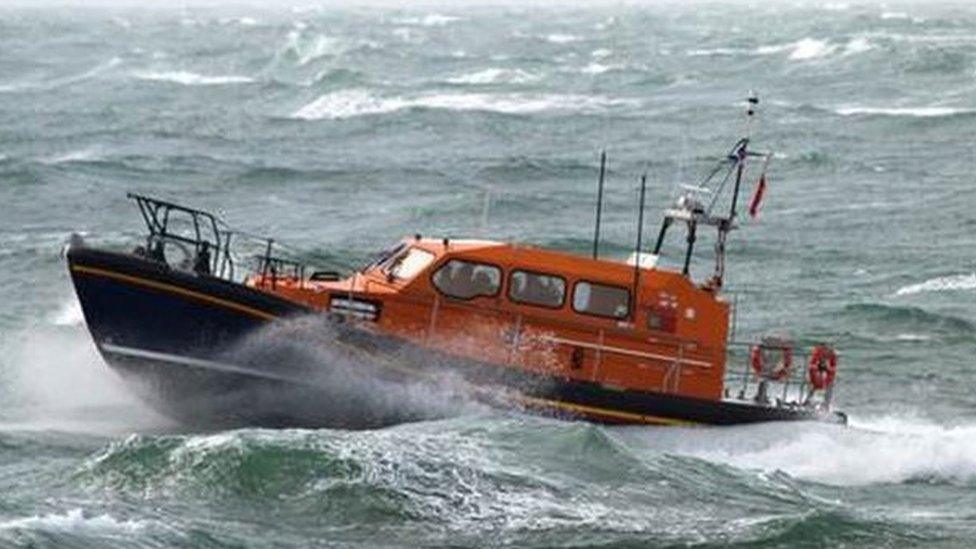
point(467, 280)
point(601, 300)
point(537, 289)
point(409, 263)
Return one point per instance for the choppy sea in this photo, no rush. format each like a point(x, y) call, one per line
point(338, 129)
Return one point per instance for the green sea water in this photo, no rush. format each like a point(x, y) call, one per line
point(339, 129)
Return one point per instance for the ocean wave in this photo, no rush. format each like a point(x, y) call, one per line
point(192, 79)
point(470, 476)
point(876, 451)
point(76, 521)
point(429, 20)
point(495, 76)
point(56, 83)
point(562, 38)
point(352, 103)
point(318, 47)
point(940, 284)
point(804, 49)
point(910, 320)
point(915, 112)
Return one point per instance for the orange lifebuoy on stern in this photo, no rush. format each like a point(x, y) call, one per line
point(823, 367)
point(758, 361)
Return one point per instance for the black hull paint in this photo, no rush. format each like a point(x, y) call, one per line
point(175, 336)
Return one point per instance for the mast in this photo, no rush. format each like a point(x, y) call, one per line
point(599, 203)
point(637, 247)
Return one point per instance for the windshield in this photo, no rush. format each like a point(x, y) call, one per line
point(409, 263)
point(384, 257)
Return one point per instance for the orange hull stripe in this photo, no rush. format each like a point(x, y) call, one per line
point(174, 290)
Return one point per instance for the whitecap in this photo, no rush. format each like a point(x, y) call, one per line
point(716, 52)
point(322, 46)
point(596, 68)
point(810, 48)
point(74, 521)
point(894, 15)
point(192, 79)
point(429, 20)
point(558, 38)
point(81, 155)
point(871, 451)
point(941, 284)
point(347, 104)
point(918, 112)
point(858, 45)
point(601, 53)
point(494, 76)
point(357, 102)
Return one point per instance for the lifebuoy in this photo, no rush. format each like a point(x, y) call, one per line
point(758, 360)
point(823, 367)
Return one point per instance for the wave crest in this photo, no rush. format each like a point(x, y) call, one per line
point(940, 284)
point(358, 102)
point(187, 78)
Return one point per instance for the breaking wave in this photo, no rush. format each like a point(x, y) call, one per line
point(801, 50)
point(75, 521)
point(495, 76)
point(882, 450)
point(910, 320)
point(561, 38)
point(917, 112)
point(429, 20)
point(940, 284)
point(352, 103)
point(192, 79)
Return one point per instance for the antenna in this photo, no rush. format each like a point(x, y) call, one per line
point(742, 151)
point(637, 247)
point(599, 203)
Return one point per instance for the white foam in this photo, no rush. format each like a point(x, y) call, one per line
point(350, 103)
point(321, 46)
point(810, 48)
point(494, 76)
point(75, 521)
point(596, 68)
point(70, 314)
point(601, 53)
point(917, 112)
point(857, 45)
point(192, 79)
point(347, 104)
point(81, 155)
point(429, 20)
point(941, 284)
point(715, 52)
point(872, 451)
point(894, 15)
point(558, 38)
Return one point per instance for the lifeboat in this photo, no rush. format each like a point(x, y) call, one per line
point(546, 331)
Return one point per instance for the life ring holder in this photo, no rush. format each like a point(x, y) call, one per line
point(757, 359)
point(822, 370)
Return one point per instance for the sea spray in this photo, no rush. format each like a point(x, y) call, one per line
point(339, 382)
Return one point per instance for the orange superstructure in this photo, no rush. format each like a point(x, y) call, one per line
point(668, 337)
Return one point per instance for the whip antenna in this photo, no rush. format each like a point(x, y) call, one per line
point(599, 203)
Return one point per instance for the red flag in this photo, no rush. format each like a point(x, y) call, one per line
point(757, 196)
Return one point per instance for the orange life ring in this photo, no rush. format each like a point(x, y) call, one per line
point(758, 361)
point(823, 367)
